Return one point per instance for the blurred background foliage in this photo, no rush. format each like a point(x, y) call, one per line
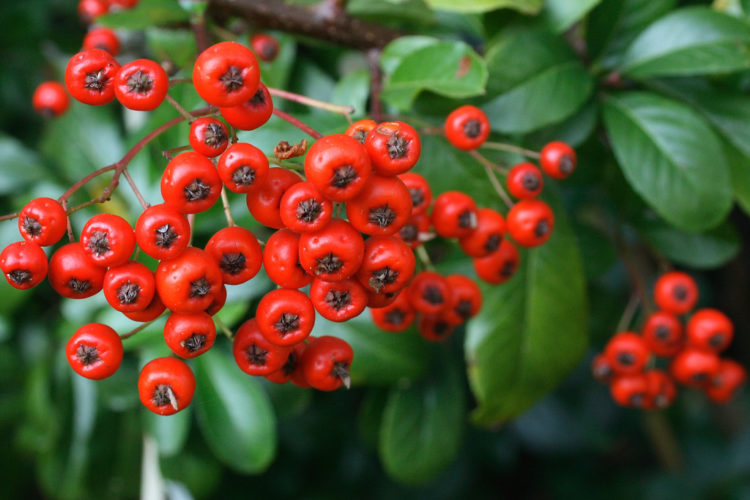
point(416, 424)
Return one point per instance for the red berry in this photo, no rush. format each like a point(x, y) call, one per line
point(661, 389)
point(487, 236)
point(525, 181)
point(694, 367)
point(265, 46)
point(42, 221)
point(558, 160)
point(388, 265)
point(166, 385)
point(208, 136)
point(663, 333)
point(419, 190)
point(72, 274)
point(303, 209)
point(292, 369)
point(359, 129)
point(332, 254)
point(676, 292)
point(415, 231)
point(530, 222)
point(219, 300)
point(254, 354)
point(338, 166)
point(454, 215)
point(162, 232)
point(90, 76)
point(264, 203)
point(499, 266)
point(125, 4)
point(377, 300)
point(108, 240)
point(89, 10)
point(285, 316)
point(102, 38)
point(152, 311)
point(251, 113)
point(226, 74)
point(381, 208)
point(141, 85)
point(50, 99)
point(710, 329)
point(429, 293)
point(237, 252)
point(465, 299)
point(189, 334)
point(627, 353)
point(94, 351)
point(394, 148)
point(325, 363)
point(190, 183)
point(242, 167)
point(725, 382)
point(396, 317)
point(601, 369)
point(24, 264)
point(435, 327)
point(467, 127)
point(631, 390)
point(129, 287)
point(281, 260)
point(338, 300)
point(189, 282)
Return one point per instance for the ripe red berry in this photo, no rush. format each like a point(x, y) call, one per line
point(435, 327)
point(530, 222)
point(189, 334)
point(525, 181)
point(325, 363)
point(661, 389)
point(395, 317)
point(219, 300)
point(264, 202)
point(50, 99)
point(254, 354)
point(90, 76)
point(166, 385)
point(89, 10)
point(465, 299)
point(338, 300)
point(454, 215)
point(630, 390)
point(237, 252)
point(125, 4)
point(381, 208)
point(162, 232)
point(24, 264)
point(394, 148)
point(663, 333)
point(292, 369)
point(710, 329)
point(332, 254)
point(601, 369)
point(251, 113)
point(415, 231)
point(499, 266)
point(94, 351)
point(558, 160)
point(189, 282)
point(281, 260)
point(108, 240)
point(152, 311)
point(388, 265)
point(265, 46)
point(676, 292)
point(694, 367)
point(208, 136)
point(304, 209)
point(102, 38)
point(129, 287)
point(429, 293)
point(42, 221)
point(141, 85)
point(467, 127)
point(72, 274)
point(190, 183)
point(487, 236)
point(359, 129)
point(242, 167)
point(226, 74)
point(285, 316)
point(725, 382)
point(338, 166)
point(419, 190)
point(377, 300)
point(627, 353)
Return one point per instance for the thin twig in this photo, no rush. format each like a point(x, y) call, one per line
point(184, 112)
point(140, 327)
point(305, 128)
point(376, 84)
point(169, 153)
point(424, 257)
point(227, 210)
point(663, 440)
point(488, 168)
point(313, 103)
point(71, 236)
point(135, 189)
point(224, 328)
point(501, 146)
point(627, 315)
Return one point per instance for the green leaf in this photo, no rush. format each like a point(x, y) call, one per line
point(671, 158)
point(691, 41)
point(353, 90)
point(520, 349)
point(451, 69)
point(379, 357)
point(395, 52)
point(234, 414)
point(146, 14)
point(608, 40)
point(170, 432)
point(415, 11)
point(573, 130)
point(707, 250)
point(177, 46)
point(739, 165)
point(478, 6)
point(422, 426)
point(559, 15)
point(21, 166)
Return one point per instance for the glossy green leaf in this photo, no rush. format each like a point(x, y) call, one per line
point(379, 357)
point(146, 14)
point(170, 433)
point(519, 350)
point(177, 46)
point(739, 166)
point(422, 426)
point(477, 6)
point(234, 414)
point(451, 69)
point(21, 166)
point(559, 15)
point(353, 90)
point(690, 41)
point(401, 47)
point(671, 158)
point(415, 11)
point(573, 130)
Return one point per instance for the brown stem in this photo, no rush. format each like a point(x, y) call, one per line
point(140, 327)
point(184, 112)
point(488, 168)
point(227, 209)
point(69, 225)
point(306, 129)
point(135, 189)
point(376, 84)
point(663, 440)
point(315, 21)
point(313, 103)
point(199, 31)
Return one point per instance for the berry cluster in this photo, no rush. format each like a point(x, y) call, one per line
point(628, 365)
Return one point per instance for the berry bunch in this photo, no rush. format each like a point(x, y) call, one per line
point(628, 362)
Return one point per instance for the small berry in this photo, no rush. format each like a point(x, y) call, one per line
point(710, 329)
point(237, 253)
point(725, 382)
point(435, 327)
point(419, 190)
point(50, 99)
point(525, 181)
point(285, 316)
point(334, 253)
point(226, 74)
point(339, 300)
point(394, 148)
point(72, 274)
point(190, 183)
point(189, 282)
point(325, 363)
point(129, 287)
point(90, 76)
point(166, 385)
point(94, 351)
point(265, 46)
point(108, 240)
point(395, 317)
point(381, 208)
point(24, 264)
point(530, 222)
point(388, 265)
point(264, 203)
point(695, 368)
point(601, 369)
point(499, 266)
point(454, 215)
point(465, 299)
point(304, 209)
point(627, 353)
point(102, 38)
point(676, 292)
point(254, 354)
point(189, 334)
point(281, 260)
point(663, 333)
point(42, 221)
point(487, 236)
point(631, 391)
point(558, 160)
point(250, 113)
point(151, 312)
point(141, 85)
point(429, 293)
point(338, 166)
point(467, 127)
point(242, 167)
point(359, 129)
point(162, 232)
